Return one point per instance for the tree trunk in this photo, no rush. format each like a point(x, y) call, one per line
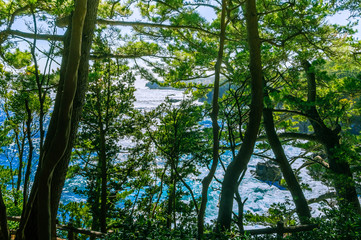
point(59, 141)
point(28, 226)
point(215, 127)
point(20, 146)
point(28, 229)
point(95, 206)
point(4, 231)
point(170, 206)
point(299, 199)
point(103, 166)
point(62, 167)
point(56, 150)
point(343, 180)
point(30, 155)
point(239, 218)
point(239, 164)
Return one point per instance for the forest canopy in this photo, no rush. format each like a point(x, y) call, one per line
point(252, 119)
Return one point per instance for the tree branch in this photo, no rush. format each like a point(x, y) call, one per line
point(16, 13)
point(300, 136)
point(17, 33)
point(322, 197)
point(124, 56)
point(291, 111)
point(63, 22)
point(203, 5)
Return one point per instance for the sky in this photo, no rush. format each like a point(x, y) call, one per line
point(24, 24)
point(343, 18)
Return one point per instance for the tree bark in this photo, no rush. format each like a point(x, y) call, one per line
point(96, 200)
point(103, 166)
point(61, 169)
point(58, 141)
point(171, 199)
point(215, 127)
point(56, 150)
point(343, 180)
point(299, 199)
point(28, 228)
point(4, 230)
point(239, 164)
point(30, 154)
point(20, 146)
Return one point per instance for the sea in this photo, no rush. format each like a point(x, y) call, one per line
point(260, 195)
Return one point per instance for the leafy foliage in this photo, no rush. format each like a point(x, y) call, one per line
point(148, 185)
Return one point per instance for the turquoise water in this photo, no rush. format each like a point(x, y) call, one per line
point(260, 195)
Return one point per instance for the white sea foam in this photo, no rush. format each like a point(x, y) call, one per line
point(260, 195)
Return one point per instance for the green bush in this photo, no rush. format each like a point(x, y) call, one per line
point(334, 225)
point(143, 228)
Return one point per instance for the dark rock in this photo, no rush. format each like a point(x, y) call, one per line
point(222, 90)
point(172, 100)
point(153, 85)
point(268, 171)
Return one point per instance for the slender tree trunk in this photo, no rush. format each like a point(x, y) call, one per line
point(214, 116)
point(30, 154)
point(20, 146)
point(103, 166)
point(62, 167)
point(240, 208)
point(174, 202)
point(104, 193)
point(59, 141)
point(96, 200)
point(239, 164)
point(4, 230)
point(299, 199)
point(29, 226)
point(171, 197)
point(160, 191)
point(343, 180)
point(41, 97)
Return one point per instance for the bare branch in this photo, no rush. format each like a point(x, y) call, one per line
point(16, 13)
point(291, 111)
point(289, 4)
point(322, 197)
point(300, 136)
point(125, 56)
point(203, 5)
point(63, 22)
point(17, 33)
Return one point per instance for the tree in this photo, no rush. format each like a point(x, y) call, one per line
point(59, 142)
point(179, 140)
point(215, 127)
point(299, 199)
point(41, 192)
point(60, 171)
point(283, 33)
point(4, 230)
point(239, 164)
point(343, 181)
point(105, 121)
